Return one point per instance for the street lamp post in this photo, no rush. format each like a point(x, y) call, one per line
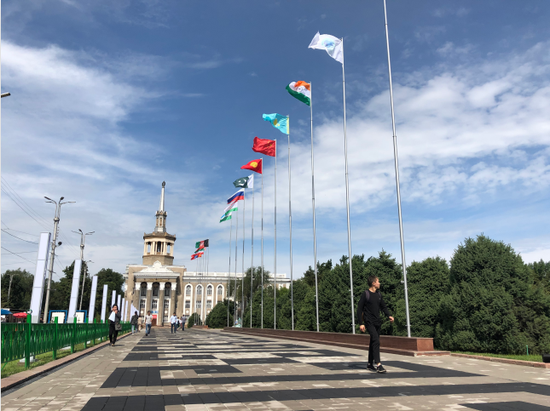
point(54, 245)
point(82, 243)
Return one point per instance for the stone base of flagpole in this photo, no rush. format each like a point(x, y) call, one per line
point(410, 346)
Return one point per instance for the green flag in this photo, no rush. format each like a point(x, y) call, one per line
point(241, 182)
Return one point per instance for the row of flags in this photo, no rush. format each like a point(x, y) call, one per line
point(200, 246)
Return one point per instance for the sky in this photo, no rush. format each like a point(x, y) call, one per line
point(110, 99)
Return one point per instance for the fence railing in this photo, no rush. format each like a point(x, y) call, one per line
point(26, 340)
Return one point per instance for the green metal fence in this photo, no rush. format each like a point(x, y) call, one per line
point(25, 340)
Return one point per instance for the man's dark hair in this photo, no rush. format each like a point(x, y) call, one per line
point(371, 280)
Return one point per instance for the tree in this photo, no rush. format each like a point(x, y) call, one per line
point(541, 274)
point(428, 282)
point(309, 275)
point(256, 284)
point(194, 318)
point(492, 305)
point(217, 318)
point(306, 316)
point(20, 291)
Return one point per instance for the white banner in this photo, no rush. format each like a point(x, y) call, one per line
point(104, 301)
point(74, 291)
point(91, 309)
point(39, 275)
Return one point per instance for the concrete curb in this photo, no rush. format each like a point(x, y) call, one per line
point(504, 360)
point(17, 379)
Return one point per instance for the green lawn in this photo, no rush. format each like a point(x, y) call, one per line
point(14, 367)
point(536, 358)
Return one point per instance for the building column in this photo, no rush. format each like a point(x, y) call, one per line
point(179, 310)
point(149, 297)
point(137, 294)
point(160, 317)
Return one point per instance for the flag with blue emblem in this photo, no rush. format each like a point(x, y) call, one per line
point(278, 121)
point(332, 45)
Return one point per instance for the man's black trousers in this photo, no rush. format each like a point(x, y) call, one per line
point(113, 334)
point(374, 345)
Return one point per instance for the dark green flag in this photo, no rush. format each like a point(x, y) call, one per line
point(241, 182)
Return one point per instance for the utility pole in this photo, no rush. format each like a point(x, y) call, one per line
point(9, 289)
point(54, 245)
point(82, 243)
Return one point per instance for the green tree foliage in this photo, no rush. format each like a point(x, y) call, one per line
point(541, 274)
point(493, 304)
point(256, 284)
point(194, 319)
point(309, 275)
point(428, 282)
point(217, 318)
point(306, 318)
point(21, 289)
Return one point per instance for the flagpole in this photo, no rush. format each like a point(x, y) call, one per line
point(396, 161)
point(229, 270)
point(313, 206)
point(347, 193)
point(290, 226)
point(275, 245)
point(252, 250)
point(235, 282)
point(262, 271)
point(242, 263)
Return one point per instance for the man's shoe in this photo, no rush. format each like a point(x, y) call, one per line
point(380, 369)
point(371, 367)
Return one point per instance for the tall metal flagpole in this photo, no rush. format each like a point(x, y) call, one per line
point(396, 160)
point(262, 271)
point(290, 227)
point(313, 206)
point(242, 264)
point(275, 246)
point(252, 251)
point(235, 282)
point(347, 193)
point(229, 270)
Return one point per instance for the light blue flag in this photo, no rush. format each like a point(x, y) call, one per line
point(278, 121)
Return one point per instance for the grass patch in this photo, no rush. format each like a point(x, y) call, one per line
point(14, 367)
point(530, 357)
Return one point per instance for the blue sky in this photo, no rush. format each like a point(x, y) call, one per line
point(109, 99)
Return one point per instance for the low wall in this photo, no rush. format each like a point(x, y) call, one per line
point(413, 346)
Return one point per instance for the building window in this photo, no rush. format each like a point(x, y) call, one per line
point(167, 289)
point(155, 304)
point(209, 290)
point(187, 304)
point(143, 289)
point(208, 304)
point(166, 308)
point(155, 289)
point(199, 290)
point(188, 290)
point(168, 248)
point(220, 290)
point(198, 305)
point(142, 308)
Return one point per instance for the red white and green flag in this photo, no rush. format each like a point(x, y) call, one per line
point(300, 90)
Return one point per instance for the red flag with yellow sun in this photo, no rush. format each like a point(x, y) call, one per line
point(254, 165)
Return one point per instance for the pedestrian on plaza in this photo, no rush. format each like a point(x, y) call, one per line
point(368, 313)
point(148, 323)
point(140, 322)
point(183, 322)
point(173, 323)
point(114, 325)
point(134, 322)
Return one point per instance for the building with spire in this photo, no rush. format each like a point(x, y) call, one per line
point(159, 286)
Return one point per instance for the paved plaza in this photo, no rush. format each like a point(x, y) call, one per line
point(215, 370)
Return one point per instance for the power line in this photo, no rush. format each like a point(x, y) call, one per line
point(26, 252)
point(11, 252)
point(7, 185)
point(19, 205)
point(19, 238)
point(18, 231)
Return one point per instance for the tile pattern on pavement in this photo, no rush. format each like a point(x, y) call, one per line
point(212, 370)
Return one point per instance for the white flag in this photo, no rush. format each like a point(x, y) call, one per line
point(250, 182)
point(333, 46)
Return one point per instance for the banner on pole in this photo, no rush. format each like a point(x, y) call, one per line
point(39, 276)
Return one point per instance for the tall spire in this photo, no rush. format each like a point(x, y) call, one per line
point(162, 197)
point(160, 226)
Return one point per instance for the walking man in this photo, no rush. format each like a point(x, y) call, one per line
point(368, 313)
point(134, 322)
point(183, 322)
point(173, 323)
point(148, 323)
